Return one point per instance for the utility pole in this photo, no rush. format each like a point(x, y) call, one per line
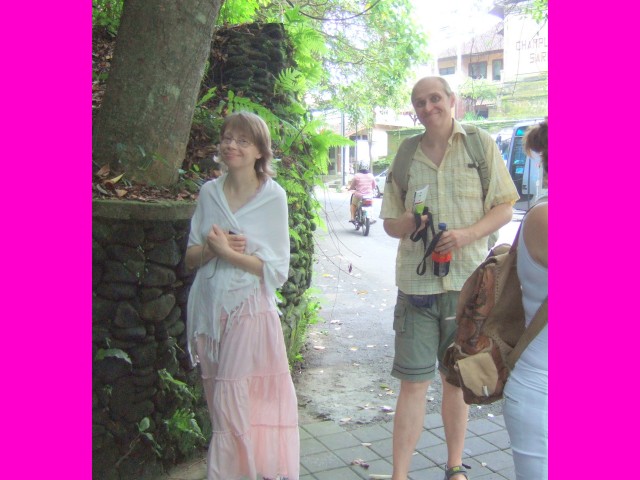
point(342, 152)
point(357, 159)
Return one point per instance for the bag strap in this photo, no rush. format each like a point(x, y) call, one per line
point(472, 145)
point(424, 235)
point(537, 323)
point(540, 319)
point(475, 150)
point(422, 266)
point(402, 163)
point(514, 245)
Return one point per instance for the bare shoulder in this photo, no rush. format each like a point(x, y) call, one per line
point(536, 230)
point(538, 214)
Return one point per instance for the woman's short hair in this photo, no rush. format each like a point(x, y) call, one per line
point(257, 131)
point(536, 140)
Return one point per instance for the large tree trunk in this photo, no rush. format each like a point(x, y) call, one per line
point(143, 125)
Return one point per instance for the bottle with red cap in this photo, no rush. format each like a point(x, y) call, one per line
point(441, 261)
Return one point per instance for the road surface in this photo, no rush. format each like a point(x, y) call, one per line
point(345, 376)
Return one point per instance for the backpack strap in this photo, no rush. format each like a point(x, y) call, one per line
point(402, 163)
point(537, 323)
point(540, 319)
point(472, 144)
point(475, 150)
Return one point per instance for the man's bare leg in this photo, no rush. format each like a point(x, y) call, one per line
point(407, 425)
point(454, 418)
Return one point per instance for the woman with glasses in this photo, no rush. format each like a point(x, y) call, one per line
point(239, 244)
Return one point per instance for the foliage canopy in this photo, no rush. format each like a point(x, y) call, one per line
point(355, 55)
point(368, 52)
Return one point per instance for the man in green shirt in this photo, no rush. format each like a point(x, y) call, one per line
point(424, 316)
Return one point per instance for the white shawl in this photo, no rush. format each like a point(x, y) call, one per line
point(219, 287)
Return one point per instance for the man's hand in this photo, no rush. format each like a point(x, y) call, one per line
point(491, 222)
point(454, 240)
point(404, 225)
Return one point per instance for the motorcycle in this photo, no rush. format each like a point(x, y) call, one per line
point(363, 215)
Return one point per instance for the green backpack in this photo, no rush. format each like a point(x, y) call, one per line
point(475, 150)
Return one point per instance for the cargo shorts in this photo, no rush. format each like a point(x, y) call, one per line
point(422, 336)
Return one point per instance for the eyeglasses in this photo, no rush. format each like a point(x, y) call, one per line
point(241, 142)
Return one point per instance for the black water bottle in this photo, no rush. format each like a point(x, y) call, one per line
point(441, 261)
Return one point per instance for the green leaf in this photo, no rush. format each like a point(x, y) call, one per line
point(144, 425)
point(207, 96)
point(113, 353)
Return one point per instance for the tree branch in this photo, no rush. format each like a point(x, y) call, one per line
point(335, 19)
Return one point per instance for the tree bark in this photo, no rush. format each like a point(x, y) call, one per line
point(143, 126)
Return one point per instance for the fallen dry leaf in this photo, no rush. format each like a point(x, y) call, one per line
point(104, 171)
point(359, 461)
point(102, 190)
point(116, 179)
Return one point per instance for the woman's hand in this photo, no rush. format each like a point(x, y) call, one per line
point(231, 247)
point(237, 242)
point(218, 241)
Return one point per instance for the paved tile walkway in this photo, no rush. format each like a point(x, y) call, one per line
point(327, 451)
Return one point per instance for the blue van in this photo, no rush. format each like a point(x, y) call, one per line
point(525, 171)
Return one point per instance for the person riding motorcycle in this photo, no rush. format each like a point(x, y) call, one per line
point(364, 185)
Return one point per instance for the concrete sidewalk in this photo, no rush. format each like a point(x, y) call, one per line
point(330, 451)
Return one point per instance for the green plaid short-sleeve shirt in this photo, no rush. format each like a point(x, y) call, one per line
point(455, 198)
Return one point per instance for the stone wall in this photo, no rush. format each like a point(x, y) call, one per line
point(140, 290)
point(247, 59)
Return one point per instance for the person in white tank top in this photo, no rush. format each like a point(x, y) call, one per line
point(526, 392)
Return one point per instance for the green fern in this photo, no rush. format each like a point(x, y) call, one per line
point(291, 80)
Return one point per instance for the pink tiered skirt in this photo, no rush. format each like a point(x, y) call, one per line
point(252, 401)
